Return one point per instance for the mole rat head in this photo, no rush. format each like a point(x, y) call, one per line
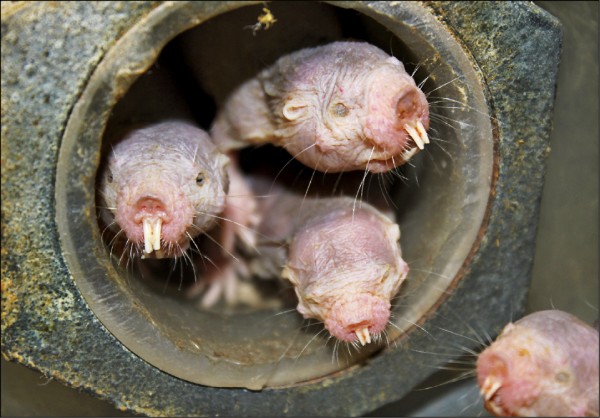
point(360, 308)
point(162, 195)
point(345, 270)
point(353, 303)
point(525, 374)
point(368, 117)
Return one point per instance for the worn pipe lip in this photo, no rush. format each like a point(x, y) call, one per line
point(90, 268)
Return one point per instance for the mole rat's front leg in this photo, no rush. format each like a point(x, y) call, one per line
point(238, 221)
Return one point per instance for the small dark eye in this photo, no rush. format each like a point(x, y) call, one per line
point(109, 177)
point(200, 179)
point(340, 110)
point(562, 377)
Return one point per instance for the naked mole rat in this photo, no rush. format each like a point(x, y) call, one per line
point(343, 259)
point(545, 364)
point(339, 107)
point(164, 181)
point(162, 186)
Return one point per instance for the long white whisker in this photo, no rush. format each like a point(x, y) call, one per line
point(443, 85)
point(462, 376)
point(310, 181)
point(223, 248)
point(308, 343)
point(289, 162)
point(362, 182)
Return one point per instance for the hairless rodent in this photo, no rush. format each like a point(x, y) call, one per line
point(545, 364)
point(339, 107)
point(163, 184)
point(343, 259)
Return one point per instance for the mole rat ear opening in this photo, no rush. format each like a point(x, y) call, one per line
point(289, 274)
point(294, 109)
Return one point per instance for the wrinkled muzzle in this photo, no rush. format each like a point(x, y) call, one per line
point(155, 218)
point(398, 116)
point(360, 318)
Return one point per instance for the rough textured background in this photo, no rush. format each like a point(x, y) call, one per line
point(40, 82)
point(565, 271)
point(43, 339)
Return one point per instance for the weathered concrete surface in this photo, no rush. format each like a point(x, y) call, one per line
point(45, 321)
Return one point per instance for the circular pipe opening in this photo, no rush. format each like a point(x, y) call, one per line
point(440, 204)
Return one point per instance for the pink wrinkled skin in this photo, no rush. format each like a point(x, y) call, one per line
point(339, 107)
point(545, 364)
point(345, 264)
point(169, 170)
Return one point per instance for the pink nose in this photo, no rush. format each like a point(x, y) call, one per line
point(150, 206)
point(391, 109)
point(407, 106)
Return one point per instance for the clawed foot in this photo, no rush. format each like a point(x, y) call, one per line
point(224, 284)
point(240, 216)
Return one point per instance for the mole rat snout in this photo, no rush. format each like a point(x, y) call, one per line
point(509, 379)
point(156, 221)
point(152, 214)
point(358, 318)
point(398, 115)
point(545, 364)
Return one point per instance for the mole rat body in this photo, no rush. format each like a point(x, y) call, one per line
point(339, 107)
point(344, 262)
point(162, 185)
point(545, 364)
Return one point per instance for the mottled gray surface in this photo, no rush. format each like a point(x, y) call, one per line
point(47, 257)
point(565, 270)
point(26, 392)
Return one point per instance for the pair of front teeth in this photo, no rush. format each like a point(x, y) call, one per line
point(488, 390)
point(419, 135)
point(152, 232)
point(363, 335)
